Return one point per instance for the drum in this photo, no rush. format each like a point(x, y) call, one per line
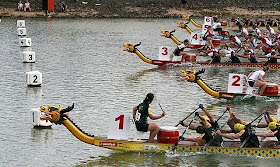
point(168, 134)
point(216, 42)
point(224, 23)
point(191, 59)
point(271, 89)
point(225, 33)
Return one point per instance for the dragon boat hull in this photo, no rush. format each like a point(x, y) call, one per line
point(259, 65)
point(231, 147)
point(229, 96)
point(59, 116)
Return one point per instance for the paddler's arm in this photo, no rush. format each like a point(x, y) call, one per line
point(194, 139)
point(134, 112)
point(236, 118)
point(226, 130)
point(229, 136)
point(265, 134)
point(209, 115)
point(154, 117)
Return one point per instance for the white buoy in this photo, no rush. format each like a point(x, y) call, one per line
point(35, 115)
point(21, 31)
point(28, 57)
point(24, 42)
point(34, 78)
point(21, 24)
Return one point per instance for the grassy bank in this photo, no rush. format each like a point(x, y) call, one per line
point(147, 8)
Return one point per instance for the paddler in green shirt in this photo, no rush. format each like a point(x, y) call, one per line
point(140, 115)
point(209, 133)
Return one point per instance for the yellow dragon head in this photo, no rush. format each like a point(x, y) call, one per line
point(130, 47)
point(184, 17)
point(191, 76)
point(54, 114)
point(181, 24)
point(167, 33)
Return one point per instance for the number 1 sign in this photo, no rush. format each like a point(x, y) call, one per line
point(235, 83)
point(118, 126)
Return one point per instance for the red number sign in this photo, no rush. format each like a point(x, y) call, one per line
point(235, 83)
point(165, 51)
point(121, 117)
point(195, 36)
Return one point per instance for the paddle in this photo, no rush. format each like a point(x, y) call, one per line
point(245, 141)
point(187, 116)
point(175, 145)
point(207, 144)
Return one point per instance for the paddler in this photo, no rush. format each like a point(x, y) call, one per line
point(179, 51)
point(244, 133)
point(242, 130)
point(208, 127)
point(140, 114)
point(271, 57)
point(275, 132)
point(255, 79)
point(231, 54)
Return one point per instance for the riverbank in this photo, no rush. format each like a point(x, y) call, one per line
point(137, 12)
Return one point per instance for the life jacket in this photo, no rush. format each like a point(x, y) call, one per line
point(209, 134)
point(277, 134)
point(252, 141)
point(252, 59)
point(234, 59)
point(216, 58)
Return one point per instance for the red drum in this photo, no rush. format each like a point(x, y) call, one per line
point(271, 90)
point(224, 24)
point(168, 134)
point(216, 42)
point(191, 59)
point(225, 33)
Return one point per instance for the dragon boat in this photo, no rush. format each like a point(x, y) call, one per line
point(193, 76)
point(224, 24)
point(60, 117)
point(192, 59)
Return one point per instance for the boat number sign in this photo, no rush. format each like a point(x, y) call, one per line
point(195, 38)
point(164, 53)
point(235, 83)
point(119, 126)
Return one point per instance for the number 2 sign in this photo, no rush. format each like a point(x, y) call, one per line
point(118, 126)
point(235, 83)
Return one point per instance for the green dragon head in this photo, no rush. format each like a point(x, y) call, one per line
point(55, 114)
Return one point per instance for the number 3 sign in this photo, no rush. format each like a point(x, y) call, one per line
point(118, 126)
point(235, 83)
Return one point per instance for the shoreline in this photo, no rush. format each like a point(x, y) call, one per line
point(136, 12)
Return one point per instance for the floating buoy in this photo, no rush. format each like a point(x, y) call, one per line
point(28, 57)
point(24, 42)
point(107, 19)
point(35, 115)
point(21, 31)
point(21, 24)
point(34, 78)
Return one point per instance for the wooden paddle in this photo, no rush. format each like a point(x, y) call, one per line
point(188, 116)
point(207, 144)
point(245, 141)
point(175, 145)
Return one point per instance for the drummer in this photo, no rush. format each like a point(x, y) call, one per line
point(140, 114)
point(256, 80)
